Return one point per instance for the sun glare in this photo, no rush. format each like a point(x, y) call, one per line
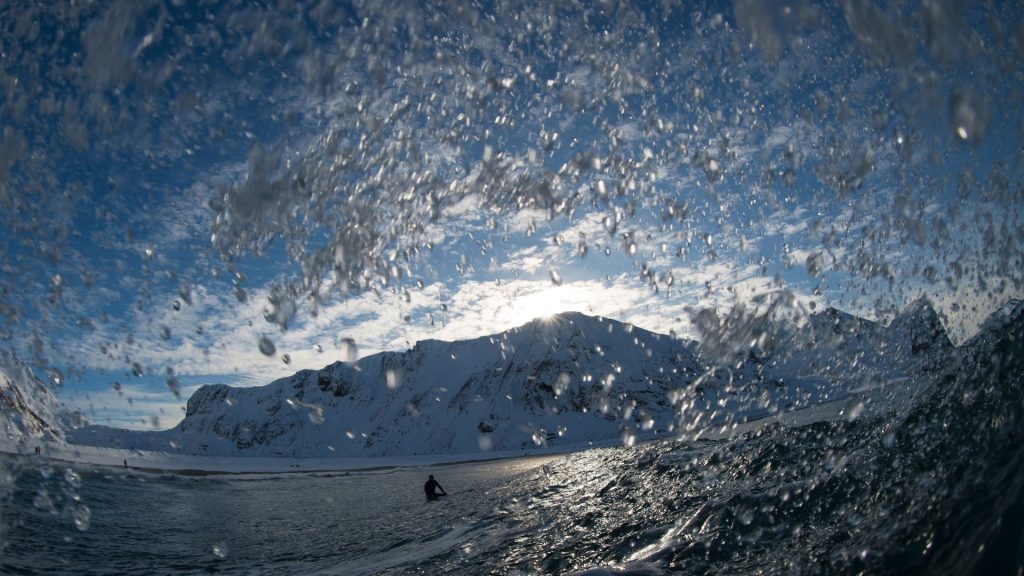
point(544, 304)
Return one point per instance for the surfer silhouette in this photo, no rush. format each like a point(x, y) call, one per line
point(431, 488)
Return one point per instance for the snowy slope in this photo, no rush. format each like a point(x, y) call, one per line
point(28, 410)
point(567, 381)
point(852, 351)
point(1000, 322)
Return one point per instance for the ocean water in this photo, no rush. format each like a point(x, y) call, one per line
point(344, 523)
point(933, 488)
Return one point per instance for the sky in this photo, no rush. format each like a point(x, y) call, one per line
point(228, 193)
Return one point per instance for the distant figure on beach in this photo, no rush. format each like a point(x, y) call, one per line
point(125, 462)
point(431, 488)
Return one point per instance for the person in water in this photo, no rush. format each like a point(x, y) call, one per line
point(431, 488)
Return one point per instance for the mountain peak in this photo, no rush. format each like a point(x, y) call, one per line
point(567, 317)
point(921, 325)
point(1009, 312)
point(561, 323)
point(920, 307)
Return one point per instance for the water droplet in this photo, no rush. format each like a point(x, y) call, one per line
point(815, 262)
point(185, 292)
point(539, 437)
point(628, 438)
point(855, 411)
point(556, 278)
point(280, 311)
point(82, 515)
point(889, 439)
point(315, 412)
point(581, 249)
point(349, 350)
point(267, 346)
point(137, 369)
point(746, 517)
point(969, 115)
point(286, 358)
point(393, 379)
point(562, 384)
point(174, 386)
point(220, 550)
point(44, 502)
point(484, 441)
point(240, 294)
point(165, 333)
point(318, 348)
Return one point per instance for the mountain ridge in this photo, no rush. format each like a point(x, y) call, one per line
point(569, 379)
point(28, 409)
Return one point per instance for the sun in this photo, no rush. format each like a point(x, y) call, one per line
point(545, 303)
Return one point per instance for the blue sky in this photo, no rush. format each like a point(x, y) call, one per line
point(181, 181)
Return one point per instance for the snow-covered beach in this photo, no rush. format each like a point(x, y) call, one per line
point(170, 463)
point(860, 403)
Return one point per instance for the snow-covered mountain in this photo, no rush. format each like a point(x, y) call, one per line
point(28, 410)
point(566, 380)
point(1002, 320)
point(569, 379)
point(853, 351)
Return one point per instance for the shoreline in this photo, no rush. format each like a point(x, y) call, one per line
point(164, 463)
point(158, 463)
